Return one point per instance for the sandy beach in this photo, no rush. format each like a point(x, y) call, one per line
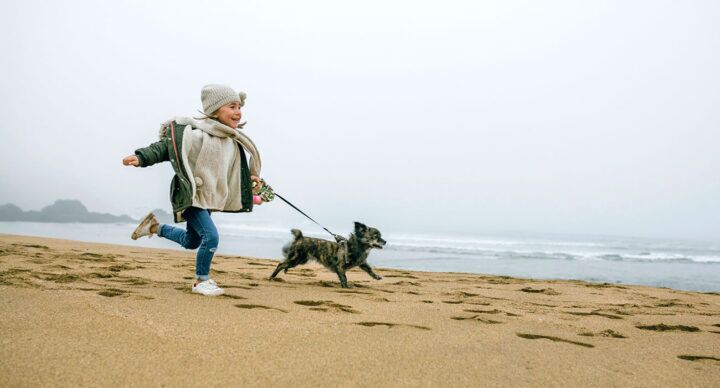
point(86, 314)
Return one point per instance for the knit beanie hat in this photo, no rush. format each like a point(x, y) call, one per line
point(215, 96)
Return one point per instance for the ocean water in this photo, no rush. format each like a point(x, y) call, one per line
point(684, 265)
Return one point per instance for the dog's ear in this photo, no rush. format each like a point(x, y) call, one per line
point(360, 227)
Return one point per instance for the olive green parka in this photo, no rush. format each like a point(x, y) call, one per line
point(169, 148)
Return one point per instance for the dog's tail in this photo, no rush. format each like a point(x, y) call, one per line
point(286, 249)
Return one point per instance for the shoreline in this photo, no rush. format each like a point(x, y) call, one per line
point(108, 315)
point(696, 276)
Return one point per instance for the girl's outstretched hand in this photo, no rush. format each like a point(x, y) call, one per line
point(131, 160)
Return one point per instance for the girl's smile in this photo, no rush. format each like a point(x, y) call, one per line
point(230, 114)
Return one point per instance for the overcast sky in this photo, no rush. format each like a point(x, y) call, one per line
point(480, 116)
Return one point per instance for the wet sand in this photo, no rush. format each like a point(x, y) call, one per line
point(78, 314)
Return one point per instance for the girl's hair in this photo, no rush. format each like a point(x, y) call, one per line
point(213, 116)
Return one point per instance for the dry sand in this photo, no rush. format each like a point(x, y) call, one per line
point(82, 314)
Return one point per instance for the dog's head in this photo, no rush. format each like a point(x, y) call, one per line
point(369, 236)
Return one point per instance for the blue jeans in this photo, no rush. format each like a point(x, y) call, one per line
point(201, 233)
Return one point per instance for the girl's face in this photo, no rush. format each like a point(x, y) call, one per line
point(230, 114)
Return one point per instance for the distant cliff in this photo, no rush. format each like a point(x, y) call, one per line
point(67, 210)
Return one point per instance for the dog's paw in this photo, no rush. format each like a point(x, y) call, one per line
point(377, 277)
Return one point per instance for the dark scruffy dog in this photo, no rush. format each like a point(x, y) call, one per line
point(336, 256)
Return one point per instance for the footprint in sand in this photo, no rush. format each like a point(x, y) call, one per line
point(494, 311)
point(259, 306)
point(344, 291)
point(119, 268)
point(131, 281)
point(617, 312)
point(554, 339)
point(12, 272)
point(461, 294)
point(101, 275)
point(112, 292)
point(604, 285)
point(604, 333)
point(391, 325)
point(664, 327)
point(595, 312)
point(697, 358)
point(499, 281)
point(308, 273)
point(464, 297)
point(331, 284)
point(39, 260)
point(261, 264)
point(476, 318)
point(59, 266)
point(673, 303)
point(18, 276)
point(62, 278)
point(185, 289)
point(325, 305)
point(237, 286)
point(231, 296)
point(401, 276)
point(89, 256)
point(546, 291)
point(32, 246)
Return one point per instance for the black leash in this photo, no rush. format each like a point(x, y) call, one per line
point(310, 218)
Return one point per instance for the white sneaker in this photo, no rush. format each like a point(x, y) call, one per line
point(208, 288)
point(143, 228)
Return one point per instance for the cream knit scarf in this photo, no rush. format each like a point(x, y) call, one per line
point(214, 166)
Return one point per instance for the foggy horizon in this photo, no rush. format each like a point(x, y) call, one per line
point(561, 117)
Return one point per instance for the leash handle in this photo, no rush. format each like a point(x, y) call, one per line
point(336, 236)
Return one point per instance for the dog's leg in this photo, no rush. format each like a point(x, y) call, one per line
point(282, 266)
point(342, 254)
point(292, 259)
point(365, 267)
point(341, 262)
point(343, 279)
point(290, 265)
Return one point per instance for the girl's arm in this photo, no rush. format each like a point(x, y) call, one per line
point(154, 153)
